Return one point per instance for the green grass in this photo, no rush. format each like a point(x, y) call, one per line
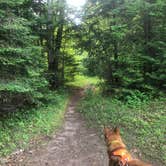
point(20, 128)
point(142, 126)
point(17, 130)
point(82, 81)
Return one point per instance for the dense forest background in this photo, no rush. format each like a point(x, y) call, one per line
point(125, 42)
point(36, 51)
point(122, 42)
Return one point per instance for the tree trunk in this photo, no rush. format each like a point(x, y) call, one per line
point(115, 43)
point(54, 43)
point(147, 27)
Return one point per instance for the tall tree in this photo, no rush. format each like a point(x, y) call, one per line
point(21, 61)
point(125, 43)
point(55, 34)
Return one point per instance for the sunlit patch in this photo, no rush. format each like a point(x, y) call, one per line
point(77, 6)
point(76, 3)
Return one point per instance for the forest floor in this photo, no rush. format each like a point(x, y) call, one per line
point(74, 144)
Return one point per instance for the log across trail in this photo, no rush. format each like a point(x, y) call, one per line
point(73, 145)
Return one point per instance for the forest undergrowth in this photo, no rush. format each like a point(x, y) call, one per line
point(141, 121)
point(19, 129)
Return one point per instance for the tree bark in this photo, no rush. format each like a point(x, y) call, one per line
point(54, 43)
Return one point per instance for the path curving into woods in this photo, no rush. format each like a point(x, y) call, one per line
point(73, 145)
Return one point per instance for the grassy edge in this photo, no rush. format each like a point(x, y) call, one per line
point(22, 133)
point(100, 111)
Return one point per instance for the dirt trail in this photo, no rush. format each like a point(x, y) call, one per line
point(73, 145)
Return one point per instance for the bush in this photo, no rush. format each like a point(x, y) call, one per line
point(136, 98)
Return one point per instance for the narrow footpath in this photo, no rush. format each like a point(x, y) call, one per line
point(73, 145)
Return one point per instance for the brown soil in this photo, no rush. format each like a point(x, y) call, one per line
point(73, 145)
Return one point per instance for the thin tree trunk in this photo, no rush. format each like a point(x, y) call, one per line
point(147, 27)
point(115, 42)
point(58, 43)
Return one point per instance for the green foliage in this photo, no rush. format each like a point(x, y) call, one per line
point(21, 61)
point(142, 121)
point(82, 81)
point(69, 60)
point(125, 42)
point(31, 124)
point(88, 63)
point(136, 98)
